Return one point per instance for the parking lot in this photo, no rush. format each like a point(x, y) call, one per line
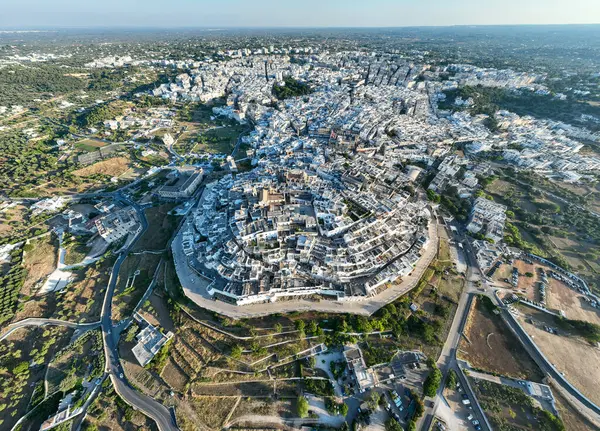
point(459, 410)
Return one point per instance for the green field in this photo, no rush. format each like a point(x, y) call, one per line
point(89, 145)
point(218, 141)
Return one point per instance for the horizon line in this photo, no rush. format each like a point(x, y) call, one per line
point(291, 27)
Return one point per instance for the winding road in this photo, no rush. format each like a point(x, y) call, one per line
point(46, 322)
point(150, 407)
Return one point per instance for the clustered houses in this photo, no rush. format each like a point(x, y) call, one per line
point(488, 218)
point(329, 207)
point(285, 232)
point(466, 74)
point(145, 125)
point(547, 147)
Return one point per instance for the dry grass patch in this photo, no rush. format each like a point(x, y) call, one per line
point(174, 376)
point(129, 290)
point(571, 355)
point(561, 297)
point(261, 388)
point(493, 348)
point(11, 218)
point(161, 226)
point(39, 259)
point(113, 167)
point(570, 416)
point(213, 411)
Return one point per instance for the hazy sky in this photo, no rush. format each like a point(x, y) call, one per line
point(297, 13)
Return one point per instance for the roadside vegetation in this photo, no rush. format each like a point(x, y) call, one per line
point(510, 408)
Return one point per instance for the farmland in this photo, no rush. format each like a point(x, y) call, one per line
point(88, 145)
point(548, 226)
point(113, 167)
point(11, 283)
point(82, 360)
point(12, 217)
point(561, 297)
point(79, 301)
point(209, 371)
point(23, 360)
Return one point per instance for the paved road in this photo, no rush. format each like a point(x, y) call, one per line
point(46, 322)
point(447, 360)
point(150, 407)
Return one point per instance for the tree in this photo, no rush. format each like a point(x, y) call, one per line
point(236, 351)
point(312, 327)
point(452, 379)
point(419, 408)
point(433, 196)
point(373, 400)
point(344, 409)
point(278, 327)
point(301, 407)
point(392, 425)
point(432, 382)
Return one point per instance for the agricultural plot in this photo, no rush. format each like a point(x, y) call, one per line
point(574, 305)
point(88, 145)
point(113, 167)
point(212, 411)
point(82, 360)
point(249, 407)
point(11, 282)
point(80, 300)
point(23, 356)
point(11, 217)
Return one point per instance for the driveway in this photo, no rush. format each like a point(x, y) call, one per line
point(329, 357)
point(317, 405)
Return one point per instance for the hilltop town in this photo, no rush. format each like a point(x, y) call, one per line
point(346, 231)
